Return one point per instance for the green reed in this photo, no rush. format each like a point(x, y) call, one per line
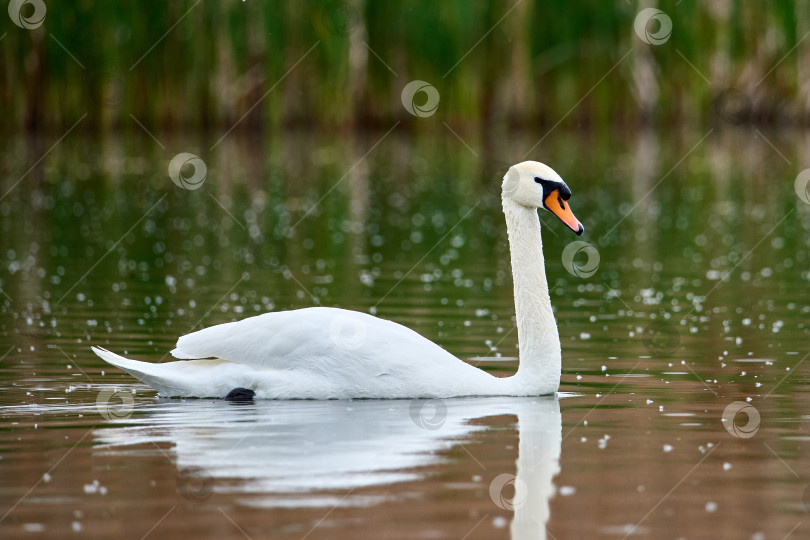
point(338, 64)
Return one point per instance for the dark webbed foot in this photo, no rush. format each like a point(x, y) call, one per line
point(240, 394)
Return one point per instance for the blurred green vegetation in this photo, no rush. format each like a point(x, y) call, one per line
point(341, 64)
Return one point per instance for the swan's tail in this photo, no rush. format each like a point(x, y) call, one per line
point(180, 379)
point(143, 371)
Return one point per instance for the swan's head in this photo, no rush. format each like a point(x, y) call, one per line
point(536, 185)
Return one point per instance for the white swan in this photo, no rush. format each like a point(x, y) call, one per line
point(330, 353)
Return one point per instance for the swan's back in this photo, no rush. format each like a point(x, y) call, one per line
point(330, 337)
point(331, 352)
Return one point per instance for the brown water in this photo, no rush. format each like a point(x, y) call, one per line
point(696, 310)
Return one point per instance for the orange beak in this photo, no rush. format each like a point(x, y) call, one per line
point(555, 204)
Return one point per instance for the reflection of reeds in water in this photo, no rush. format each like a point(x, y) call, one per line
point(535, 61)
point(383, 235)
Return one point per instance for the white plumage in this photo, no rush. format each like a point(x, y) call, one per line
point(330, 353)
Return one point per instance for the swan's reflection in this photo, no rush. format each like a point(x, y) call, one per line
point(294, 451)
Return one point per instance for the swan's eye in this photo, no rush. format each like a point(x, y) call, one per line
point(537, 179)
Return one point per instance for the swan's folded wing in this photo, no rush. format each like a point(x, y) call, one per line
point(317, 338)
point(177, 353)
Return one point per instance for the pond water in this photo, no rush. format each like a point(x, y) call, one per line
point(684, 409)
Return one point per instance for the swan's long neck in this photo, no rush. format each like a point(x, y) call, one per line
point(540, 356)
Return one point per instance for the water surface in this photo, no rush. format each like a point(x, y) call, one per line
point(696, 310)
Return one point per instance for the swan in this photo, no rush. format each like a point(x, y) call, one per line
point(331, 353)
